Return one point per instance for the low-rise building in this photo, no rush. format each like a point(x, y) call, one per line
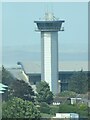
point(67, 116)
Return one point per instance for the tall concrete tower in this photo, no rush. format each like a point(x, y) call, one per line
point(49, 28)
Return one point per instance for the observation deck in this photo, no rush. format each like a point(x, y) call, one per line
point(50, 23)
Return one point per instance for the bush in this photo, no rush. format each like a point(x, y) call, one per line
point(44, 108)
point(81, 109)
point(18, 108)
point(67, 108)
point(67, 94)
point(54, 110)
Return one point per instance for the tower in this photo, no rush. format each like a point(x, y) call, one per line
point(49, 28)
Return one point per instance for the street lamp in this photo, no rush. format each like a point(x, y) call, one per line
point(59, 85)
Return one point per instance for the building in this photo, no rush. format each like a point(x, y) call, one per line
point(69, 116)
point(64, 76)
point(49, 28)
point(35, 77)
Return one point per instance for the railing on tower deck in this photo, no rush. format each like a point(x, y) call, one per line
point(38, 30)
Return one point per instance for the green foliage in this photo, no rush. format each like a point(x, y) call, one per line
point(22, 90)
point(54, 110)
point(46, 116)
point(79, 82)
point(43, 93)
point(16, 88)
point(18, 108)
point(44, 108)
point(67, 94)
point(7, 77)
point(67, 108)
point(81, 109)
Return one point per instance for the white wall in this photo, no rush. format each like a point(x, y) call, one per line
point(49, 59)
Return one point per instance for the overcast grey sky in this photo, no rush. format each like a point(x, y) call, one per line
point(22, 43)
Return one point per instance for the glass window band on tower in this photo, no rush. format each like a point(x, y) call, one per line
point(49, 25)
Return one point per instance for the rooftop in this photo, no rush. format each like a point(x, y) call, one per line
point(35, 66)
point(50, 23)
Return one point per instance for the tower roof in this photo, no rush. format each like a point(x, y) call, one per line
point(49, 16)
point(50, 23)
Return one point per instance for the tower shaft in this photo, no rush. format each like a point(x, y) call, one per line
point(49, 59)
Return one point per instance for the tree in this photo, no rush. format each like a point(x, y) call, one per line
point(18, 108)
point(67, 94)
point(7, 77)
point(21, 90)
point(43, 93)
point(16, 88)
point(44, 108)
point(79, 82)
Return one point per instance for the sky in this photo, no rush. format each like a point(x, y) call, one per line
point(20, 42)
